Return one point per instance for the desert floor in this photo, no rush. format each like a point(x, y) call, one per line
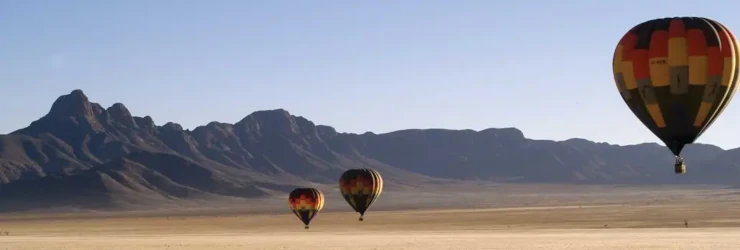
point(605, 218)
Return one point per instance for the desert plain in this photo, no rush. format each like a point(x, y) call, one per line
point(510, 216)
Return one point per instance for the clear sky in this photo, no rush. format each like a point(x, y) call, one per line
point(541, 66)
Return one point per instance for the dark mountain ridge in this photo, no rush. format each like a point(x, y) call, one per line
point(81, 153)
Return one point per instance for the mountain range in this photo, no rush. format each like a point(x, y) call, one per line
point(81, 154)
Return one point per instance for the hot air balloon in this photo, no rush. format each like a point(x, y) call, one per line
point(306, 203)
point(677, 75)
point(360, 188)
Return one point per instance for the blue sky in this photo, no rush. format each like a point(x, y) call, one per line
point(356, 65)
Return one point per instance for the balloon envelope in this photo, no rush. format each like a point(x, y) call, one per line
point(306, 203)
point(677, 75)
point(360, 188)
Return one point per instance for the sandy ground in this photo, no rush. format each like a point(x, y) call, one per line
point(714, 223)
point(459, 239)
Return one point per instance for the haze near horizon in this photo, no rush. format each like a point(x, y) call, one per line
point(354, 66)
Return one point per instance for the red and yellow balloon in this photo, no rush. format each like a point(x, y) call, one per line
point(361, 188)
point(677, 75)
point(306, 203)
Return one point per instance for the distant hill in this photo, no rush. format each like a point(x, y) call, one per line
point(85, 155)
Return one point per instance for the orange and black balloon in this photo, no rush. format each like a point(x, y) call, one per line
point(677, 75)
point(306, 203)
point(361, 188)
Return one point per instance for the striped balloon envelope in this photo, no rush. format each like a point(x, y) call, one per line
point(306, 203)
point(360, 188)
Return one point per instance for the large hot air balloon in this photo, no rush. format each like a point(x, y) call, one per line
point(677, 75)
point(306, 203)
point(360, 188)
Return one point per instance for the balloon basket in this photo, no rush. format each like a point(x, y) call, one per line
point(306, 227)
point(679, 168)
point(361, 219)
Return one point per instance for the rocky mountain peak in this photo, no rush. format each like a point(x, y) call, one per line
point(172, 126)
point(119, 113)
point(75, 103)
point(145, 122)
